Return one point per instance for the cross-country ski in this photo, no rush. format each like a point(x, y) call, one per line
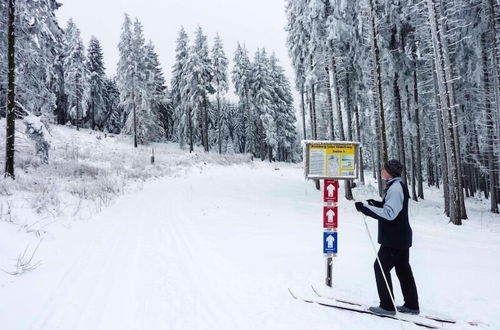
point(364, 310)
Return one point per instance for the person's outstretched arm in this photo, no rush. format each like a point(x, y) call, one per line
point(390, 209)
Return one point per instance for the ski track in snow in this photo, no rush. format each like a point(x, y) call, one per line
point(217, 249)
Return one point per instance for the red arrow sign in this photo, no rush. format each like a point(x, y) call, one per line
point(330, 217)
point(331, 191)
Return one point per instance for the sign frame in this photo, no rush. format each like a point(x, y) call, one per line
point(326, 197)
point(334, 249)
point(335, 222)
point(326, 145)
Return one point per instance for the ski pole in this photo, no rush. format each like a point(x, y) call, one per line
point(382, 270)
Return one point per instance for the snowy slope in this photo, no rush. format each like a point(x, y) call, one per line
point(218, 246)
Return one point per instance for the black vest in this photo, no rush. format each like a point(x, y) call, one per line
point(396, 233)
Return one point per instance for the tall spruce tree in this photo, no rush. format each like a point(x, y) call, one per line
point(183, 121)
point(200, 80)
point(220, 83)
point(97, 78)
point(241, 78)
point(76, 75)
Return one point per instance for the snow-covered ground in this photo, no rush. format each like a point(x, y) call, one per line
point(86, 172)
point(216, 245)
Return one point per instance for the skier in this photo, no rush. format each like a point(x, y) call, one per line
point(395, 238)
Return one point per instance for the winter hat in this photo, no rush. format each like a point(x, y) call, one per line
point(393, 167)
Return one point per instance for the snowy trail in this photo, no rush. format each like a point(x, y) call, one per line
point(217, 249)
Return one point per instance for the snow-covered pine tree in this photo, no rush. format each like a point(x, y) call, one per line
point(220, 83)
point(262, 139)
point(75, 75)
point(127, 72)
point(297, 41)
point(241, 77)
point(156, 86)
point(39, 39)
point(183, 122)
point(143, 123)
point(136, 94)
point(284, 115)
point(200, 77)
point(97, 77)
point(114, 112)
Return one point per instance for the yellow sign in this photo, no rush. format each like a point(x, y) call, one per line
point(328, 159)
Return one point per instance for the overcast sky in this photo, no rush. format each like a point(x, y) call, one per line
point(257, 23)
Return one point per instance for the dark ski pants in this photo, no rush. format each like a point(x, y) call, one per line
point(399, 259)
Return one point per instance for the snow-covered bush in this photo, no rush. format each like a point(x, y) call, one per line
point(37, 132)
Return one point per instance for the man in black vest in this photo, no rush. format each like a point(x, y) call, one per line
point(395, 238)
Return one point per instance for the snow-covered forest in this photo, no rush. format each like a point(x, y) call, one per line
point(413, 80)
point(64, 82)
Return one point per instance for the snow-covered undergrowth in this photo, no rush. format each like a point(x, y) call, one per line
point(87, 170)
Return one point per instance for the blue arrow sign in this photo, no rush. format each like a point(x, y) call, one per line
point(330, 242)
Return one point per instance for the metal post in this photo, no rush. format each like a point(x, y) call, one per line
point(329, 268)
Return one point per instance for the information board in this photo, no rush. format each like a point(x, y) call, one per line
point(331, 159)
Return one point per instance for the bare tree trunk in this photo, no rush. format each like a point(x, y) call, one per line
point(442, 149)
point(303, 108)
point(313, 105)
point(348, 107)
point(492, 19)
point(418, 168)
point(379, 175)
point(481, 159)
point(219, 122)
point(380, 132)
point(93, 113)
point(491, 139)
point(399, 126)
point(359, 139)
point(11, 96)
point(330, 104)
point(436, 167)
point(374, 165)
point(348, 183)
point(312, 115)
point(378, 96)
point(447, 102)
point(205, 123)
point(412, 152)
point(336, 96)
point(190, 128)
point(431, 179)
point(78, 97)
point(134, 111)
point(455, 142)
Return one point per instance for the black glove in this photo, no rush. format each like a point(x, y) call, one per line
point(375, 203)
point(359, 206)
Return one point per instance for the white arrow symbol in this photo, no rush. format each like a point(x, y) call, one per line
point(331, 189)
point(330, 214)
point(329, 240)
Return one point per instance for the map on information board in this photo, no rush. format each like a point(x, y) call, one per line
point(331, 159)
